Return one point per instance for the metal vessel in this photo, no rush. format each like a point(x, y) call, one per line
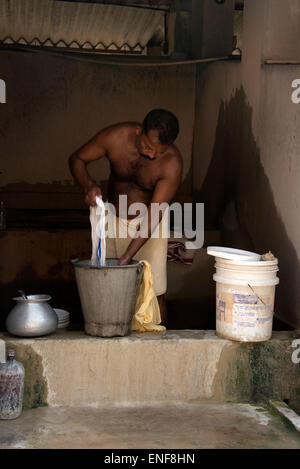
point(108, 295)
point(32, 317)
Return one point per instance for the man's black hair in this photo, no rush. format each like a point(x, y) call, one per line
point(164, 122)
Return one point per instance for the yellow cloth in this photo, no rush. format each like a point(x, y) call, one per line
point(147, 313)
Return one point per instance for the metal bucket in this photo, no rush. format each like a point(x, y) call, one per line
point(108, 296)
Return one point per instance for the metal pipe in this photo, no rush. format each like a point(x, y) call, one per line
point(123, 4)
point(127, 63)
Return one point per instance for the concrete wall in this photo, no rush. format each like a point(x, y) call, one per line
point(247, 144)
point(246, 135)
point(282, 33)
point(54, 105)
point(159, 367)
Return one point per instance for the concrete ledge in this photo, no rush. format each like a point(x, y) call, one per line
point(69, 368)
point(288, 414)
point(77, 370)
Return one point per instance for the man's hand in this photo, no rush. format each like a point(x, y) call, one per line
point(125, 259)
point(91, 194)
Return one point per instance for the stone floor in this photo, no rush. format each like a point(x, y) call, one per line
point(169, 426)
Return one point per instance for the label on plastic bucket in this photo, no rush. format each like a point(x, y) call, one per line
point(245, 299)
point(244, 310)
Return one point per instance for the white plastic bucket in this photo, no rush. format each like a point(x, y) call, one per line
point(245, 294)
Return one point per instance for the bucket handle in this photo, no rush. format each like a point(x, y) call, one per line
point(257, 295)
point(140, 267)
point(139, 272)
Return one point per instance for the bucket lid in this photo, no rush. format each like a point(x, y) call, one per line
point(232, 254)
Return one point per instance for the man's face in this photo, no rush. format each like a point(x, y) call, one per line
point(149, 145)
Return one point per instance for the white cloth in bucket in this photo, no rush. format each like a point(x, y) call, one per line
point(97, 219)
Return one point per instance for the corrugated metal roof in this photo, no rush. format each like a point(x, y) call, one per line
point(51, 23)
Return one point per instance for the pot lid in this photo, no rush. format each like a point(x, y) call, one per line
point(232, 254)
point(33, 298)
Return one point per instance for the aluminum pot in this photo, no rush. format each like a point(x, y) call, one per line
point(32, 317)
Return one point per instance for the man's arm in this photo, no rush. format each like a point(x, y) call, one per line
point(164, 191)
point(93, 150)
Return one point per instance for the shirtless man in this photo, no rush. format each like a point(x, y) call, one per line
point(145, 165)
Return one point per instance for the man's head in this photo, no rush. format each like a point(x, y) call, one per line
point(159, 130)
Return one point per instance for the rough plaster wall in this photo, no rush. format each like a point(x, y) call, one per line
point(278, 216)
point(282, 32)
point(255, 12)
point(247, 124)
point(213, 84)
point(55, 105)
point(281, 144)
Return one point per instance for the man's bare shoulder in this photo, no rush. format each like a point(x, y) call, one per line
point(173, 160)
